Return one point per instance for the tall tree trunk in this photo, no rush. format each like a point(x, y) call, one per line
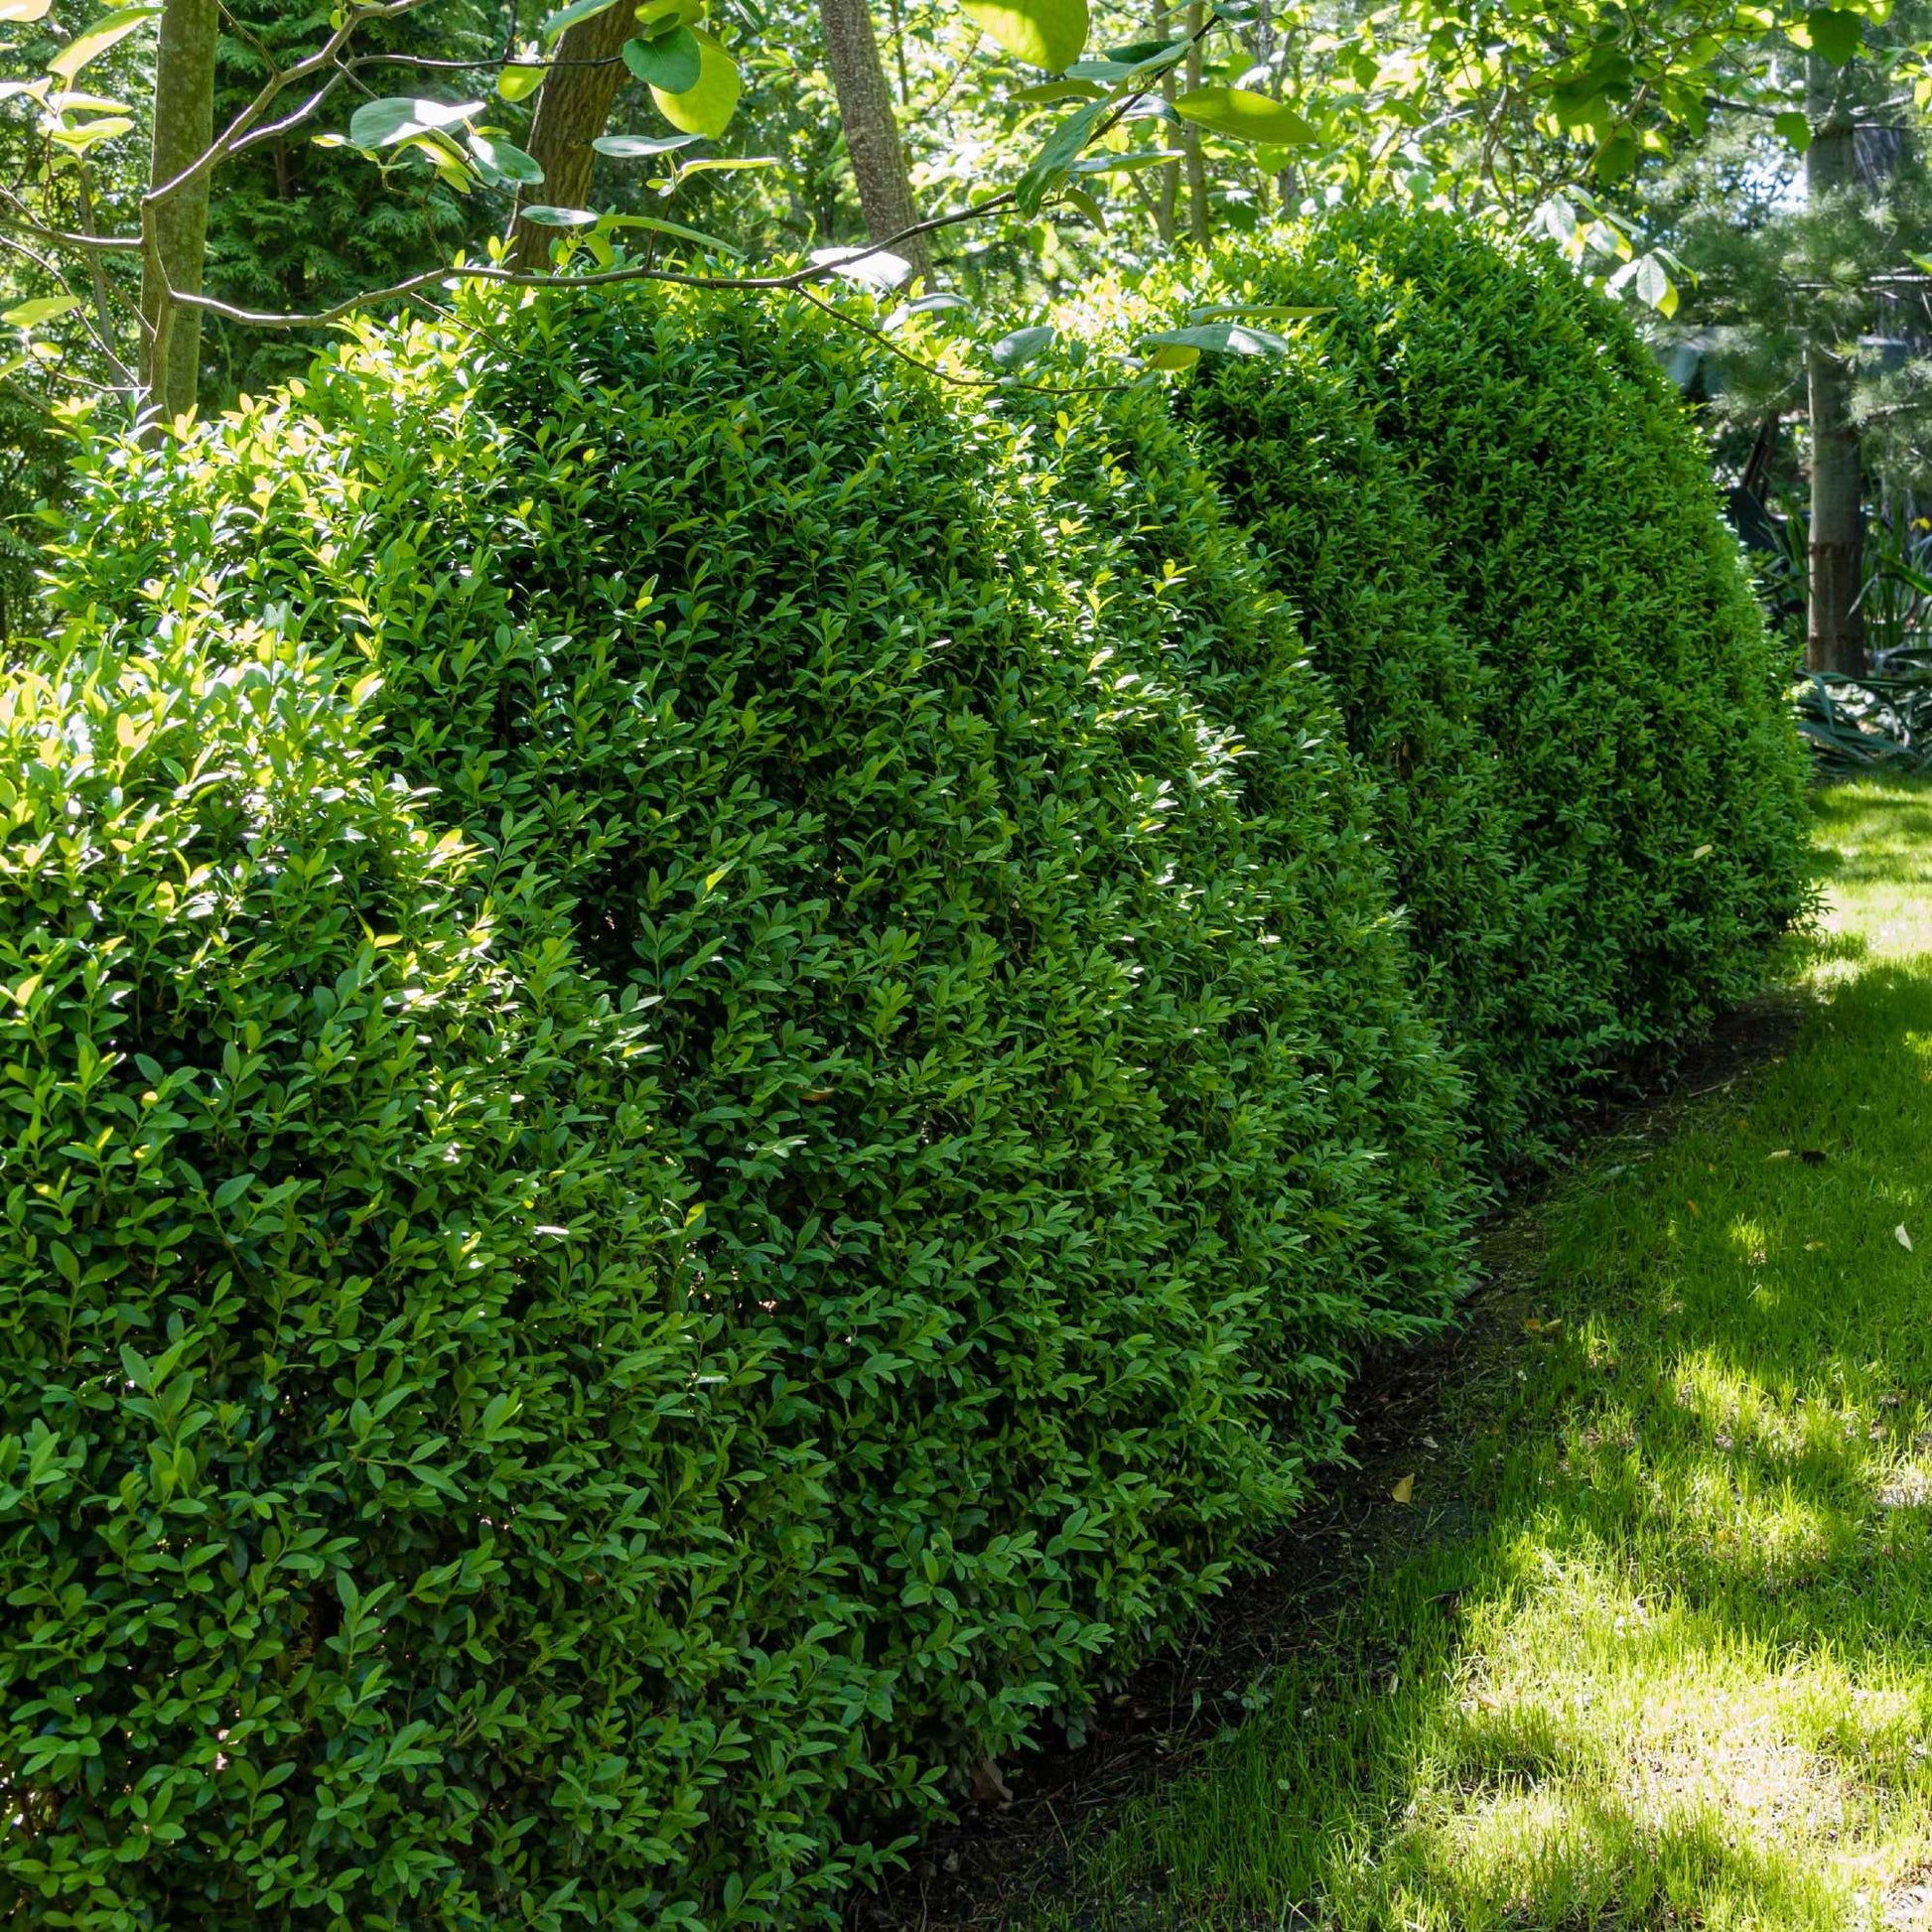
point(871, 131)
point(572, 104)
point(175, 228)
point(1834, 625)
point(1190, 136)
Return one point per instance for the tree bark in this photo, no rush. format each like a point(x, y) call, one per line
point(1834, 623)
point(1197, 223)
point(572, 105)
point(871, 130)
point(175, 228)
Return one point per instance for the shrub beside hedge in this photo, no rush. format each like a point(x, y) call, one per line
point(1514, 573)
point(1036, 1066)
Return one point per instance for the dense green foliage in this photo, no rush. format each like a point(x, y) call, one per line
point(1029, 1033)
point(1512, 568)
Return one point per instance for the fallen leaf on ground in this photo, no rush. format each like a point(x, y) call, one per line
point(1903, 1239)
point(1405, 1490)
point(1779, 1154)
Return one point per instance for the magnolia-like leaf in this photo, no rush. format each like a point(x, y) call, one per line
point(661, 16)
point(636, 147)
point(1172, 356)
point(1224, 339)
point(658, 225)
point(519, 81)
point(875, 268)
point(1049, 91)
point(1084, 199)
point(1016, 351)
point(1043, 33)
point(1244, 116)
point(1404, 1490)
point(401, 117)
point(77, 140)
point(560, 217)
point(727, 164)
point(24, 10)
point(707, 106)
point(502, 164)
point(1141, 53)
point(1794, 129)
point(107, 32)
point(1835, 32)
point(566, 18)
point(44, 308)
point(1115, 163)
point(671, 62)
point(1056, 159)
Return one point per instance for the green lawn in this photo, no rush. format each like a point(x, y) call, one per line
point(1675, 1668)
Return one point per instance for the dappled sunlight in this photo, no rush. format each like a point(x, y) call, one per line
point(1682, 1674)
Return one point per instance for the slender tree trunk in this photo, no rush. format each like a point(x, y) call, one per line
point(1167, 194)
point(572, 105)
point(175, 228)
point(1833, 625)
point(1197, 226)
point(871, 131)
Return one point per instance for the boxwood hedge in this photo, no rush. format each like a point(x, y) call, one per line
point(1522, 490)
point(923, 940)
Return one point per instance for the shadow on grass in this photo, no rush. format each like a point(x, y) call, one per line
point(1677, 1671)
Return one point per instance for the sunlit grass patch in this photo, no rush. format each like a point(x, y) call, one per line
point(1680, 1672)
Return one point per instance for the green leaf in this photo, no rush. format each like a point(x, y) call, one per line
point(1016, 351)
point(1793, 128)
point(1056, 159)
point(80, 139)
point(1245, 116)
point(671, 62)
point(707, 106)
point(566, 18)
point(635, 147)
point(1224, 339)
point(1141, 53)
point(44, 308)
point(402, 117)
point(1172, 356)
point(1115, 163)
point(518, 83)
point(24, 10)
point(105, 33)
point(658, 225)
point(232, 1189)
point(1044, 32)
point(1249, 311)
point(502, 163)
point(1835, 32)
point(1049, 91)
point(560, 217)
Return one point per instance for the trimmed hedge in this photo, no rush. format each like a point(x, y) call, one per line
point(1031, 1051)
point(1542, 507)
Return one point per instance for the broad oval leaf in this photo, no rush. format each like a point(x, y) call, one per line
point(1172, 356)
point(1049, 91)
point(566, 18)
point(1835, 32)
point(560, 217)
point(707, 107)
point(1016, 351)
point(1056, 155)
point(24, 10)
point(658, 225)
point(1046, 33)
point(105, 33)
point(671, 62)
point(401, 117)
point(44, 308)
point(77, 140)
point(636, 147)
point(873, 268)
point(502, 163)
point(1224, 339)
point(1245, 116)
point(519, 81)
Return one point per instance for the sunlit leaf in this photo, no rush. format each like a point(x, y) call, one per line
point(707, 107)
point(1244, 116)
point(1049, 91)
point(876, 268)
point(518, 83)
point(400, 117)
point(672, 61)
point(546, 216)
point(44, 308)
point(566, 18)
point(1404, 1492)
point(1903, 1239)
point(1043, 33)
point(1056, 159)
point(1172, 356)
point(1117, 164)
point(637, 147)
point(1225, 338)
point(1016, 351)
point(503, 164)
point(24, 10)
point(108, 32)
point(77, 140)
